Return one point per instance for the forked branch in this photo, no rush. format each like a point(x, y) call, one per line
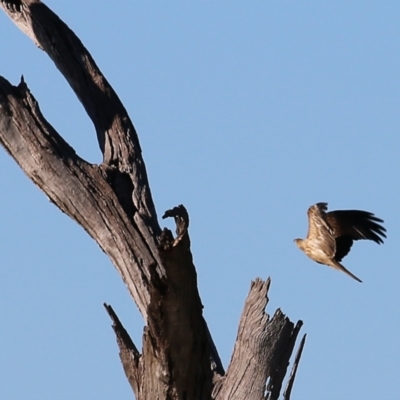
point(112, 202)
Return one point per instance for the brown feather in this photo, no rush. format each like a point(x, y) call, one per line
point(331, 235)
point(350, 225)
point(319, 231)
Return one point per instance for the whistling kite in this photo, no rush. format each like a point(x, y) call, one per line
point(330, 235)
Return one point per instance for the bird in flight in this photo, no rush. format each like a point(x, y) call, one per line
point(331, 234)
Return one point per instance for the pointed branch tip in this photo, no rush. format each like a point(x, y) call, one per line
point(181, 217)
point(289, 385)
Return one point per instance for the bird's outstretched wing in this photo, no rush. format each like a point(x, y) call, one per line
point(331, 235)
point(350, 225)
point(319, 231)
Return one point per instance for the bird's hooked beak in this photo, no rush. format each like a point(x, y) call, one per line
point(298, 243)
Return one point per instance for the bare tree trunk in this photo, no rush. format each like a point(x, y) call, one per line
point(112, 202)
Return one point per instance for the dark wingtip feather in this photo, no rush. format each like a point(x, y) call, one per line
point(372, 228)
point(358, 224)
point(322, 205)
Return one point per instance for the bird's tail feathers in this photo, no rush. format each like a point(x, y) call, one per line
point(342, 268)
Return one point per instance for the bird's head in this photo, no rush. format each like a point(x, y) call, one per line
point(299, 243)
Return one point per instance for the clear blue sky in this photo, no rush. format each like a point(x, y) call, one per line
point(247, 113)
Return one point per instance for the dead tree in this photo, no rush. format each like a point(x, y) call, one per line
point(113, 203)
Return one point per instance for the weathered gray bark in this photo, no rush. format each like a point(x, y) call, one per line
point(262, 350)
point(112, 202)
